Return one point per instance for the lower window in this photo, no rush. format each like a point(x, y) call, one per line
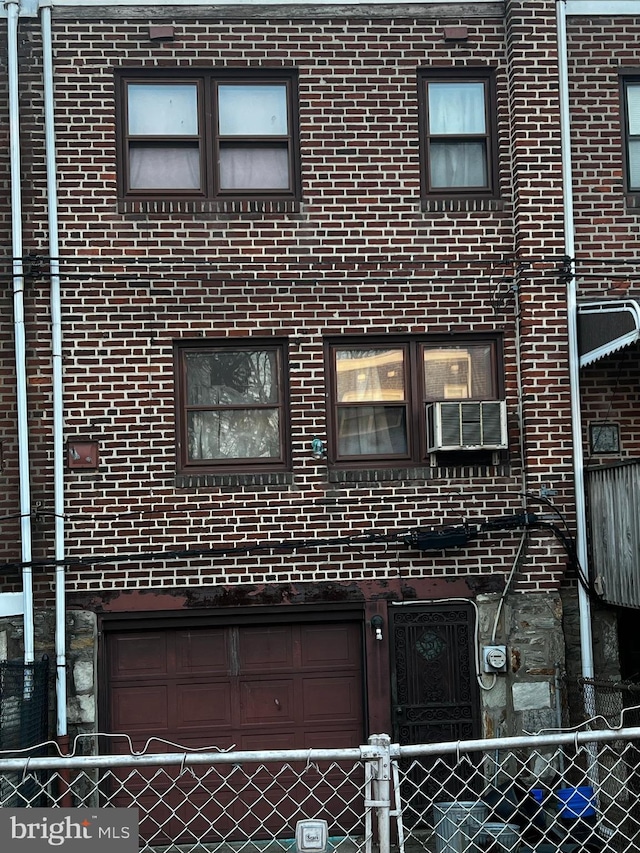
point(231, 406)
point(382, 395)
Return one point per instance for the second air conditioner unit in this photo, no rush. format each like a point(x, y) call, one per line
point(467, 425)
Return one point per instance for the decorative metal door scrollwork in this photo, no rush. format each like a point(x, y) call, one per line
point(434, 688)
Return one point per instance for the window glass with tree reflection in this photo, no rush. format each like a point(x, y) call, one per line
point(231, 407)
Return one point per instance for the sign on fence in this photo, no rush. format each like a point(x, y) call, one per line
point(69, 830)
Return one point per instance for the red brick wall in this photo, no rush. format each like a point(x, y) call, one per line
point(606, 226)
point(606, 223)
point(359, 256)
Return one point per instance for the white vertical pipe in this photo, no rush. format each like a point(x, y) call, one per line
point(586, 638)
point(18, 323)
point(56, 354)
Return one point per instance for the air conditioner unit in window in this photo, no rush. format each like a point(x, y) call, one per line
point(467, 425)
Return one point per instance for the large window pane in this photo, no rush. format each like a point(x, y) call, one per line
point(459, 373)
point(633, 109)
point(207, 134)
point(234, 434)
point(370, 375)
point(372, 430)
point(164, 167)
point(232, 378)
point(233, 406)
point(162, 109)
point(458, 164)
point(245, 167)
point(252, 110)
point(456, 108)
point(634, 164)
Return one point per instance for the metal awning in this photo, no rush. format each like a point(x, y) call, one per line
point(606, 326)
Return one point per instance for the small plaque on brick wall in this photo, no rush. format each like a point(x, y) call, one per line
point(604, 438)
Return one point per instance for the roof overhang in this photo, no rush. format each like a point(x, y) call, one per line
point(605, 327)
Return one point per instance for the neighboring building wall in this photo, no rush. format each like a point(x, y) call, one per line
point(359, 255)
point(601, 49)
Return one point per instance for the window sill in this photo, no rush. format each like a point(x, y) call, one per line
point(632, 201)
point(373, 475)
point(462, 205)
point(266, 478)
point(218, 208)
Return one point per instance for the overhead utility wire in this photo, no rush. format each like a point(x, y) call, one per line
point(194, 553)
point(442, 538)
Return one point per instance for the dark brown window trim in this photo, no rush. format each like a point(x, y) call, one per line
point(625, 77)
point(469, 73)
point(206, 80)
point(256, 471)
point(416, 458)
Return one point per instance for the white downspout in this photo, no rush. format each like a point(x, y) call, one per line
point(56, 354)
point(19, 330)
point(586, 640)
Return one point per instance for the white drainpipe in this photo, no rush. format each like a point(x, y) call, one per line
point(12, 7)
point(586, 639)
point(56, 354)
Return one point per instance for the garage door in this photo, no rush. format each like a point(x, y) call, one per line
point(252, 687)
point(249, 687)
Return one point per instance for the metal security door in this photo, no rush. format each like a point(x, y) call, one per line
point(434, 686)
point(435, 698)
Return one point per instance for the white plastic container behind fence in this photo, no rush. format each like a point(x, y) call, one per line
point(500, 838)
point(458, 826)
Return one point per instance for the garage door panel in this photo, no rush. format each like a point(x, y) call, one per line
point(336, 698)
point(327, 738)
point(330, 645)
point(265, 648)
point(202, 651)
point(276, 740)
point(263, 702)
point(144, 653)
point(138, 708)
point(236, 687)
point(203, 705)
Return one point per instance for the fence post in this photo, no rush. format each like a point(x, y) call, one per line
point(382, 789)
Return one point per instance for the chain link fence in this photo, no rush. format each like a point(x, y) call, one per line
point(562, 791)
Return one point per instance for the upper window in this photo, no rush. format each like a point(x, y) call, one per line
point(458, 133)
point(210, 134)
point(381, 393)
point(631, 92)
point(231, 407)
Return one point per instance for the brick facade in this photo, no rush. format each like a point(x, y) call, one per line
point(360, 254)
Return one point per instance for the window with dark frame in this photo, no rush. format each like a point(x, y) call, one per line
point(631, 101)
point(232, 407)
point(380, 391)
point(208, 134)
point(458, 133)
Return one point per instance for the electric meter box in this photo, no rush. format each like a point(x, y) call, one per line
point(494, 658)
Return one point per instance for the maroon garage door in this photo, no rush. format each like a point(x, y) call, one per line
point(248, 687)
point(253, 687)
